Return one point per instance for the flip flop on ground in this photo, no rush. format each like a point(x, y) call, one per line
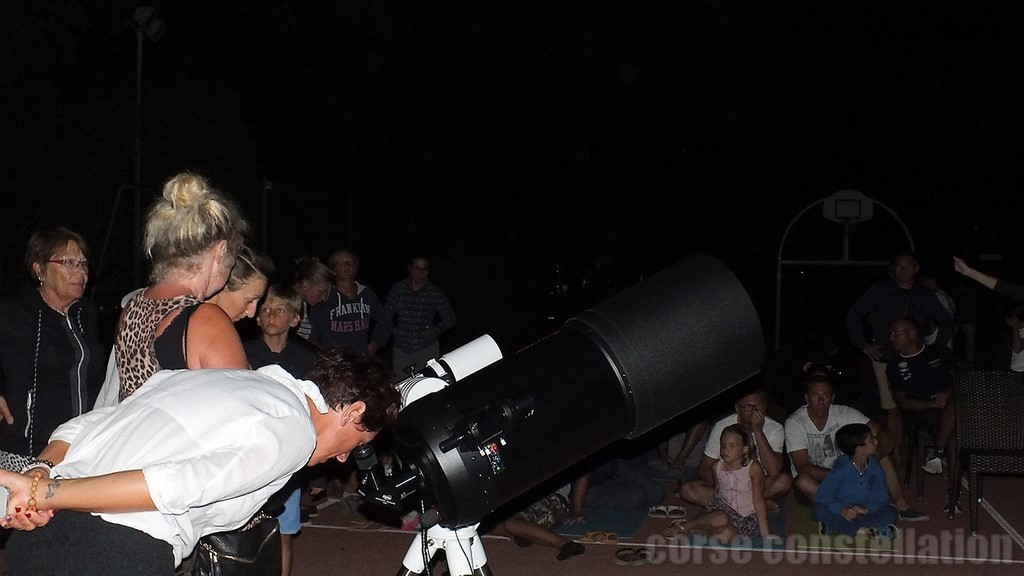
point(633, 556)
point(600, 537)
point(670, 511)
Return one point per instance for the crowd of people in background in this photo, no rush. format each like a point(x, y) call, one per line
point(59, 406)
point(896, 360)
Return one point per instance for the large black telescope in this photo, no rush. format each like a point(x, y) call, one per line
point(614, 371)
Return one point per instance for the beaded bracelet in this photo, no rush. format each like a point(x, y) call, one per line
point(36, 477)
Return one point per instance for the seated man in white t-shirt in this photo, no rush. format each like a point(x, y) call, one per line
point(768, 438)
point(811, 442)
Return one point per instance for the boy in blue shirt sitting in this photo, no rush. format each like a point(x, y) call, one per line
point(853, 499)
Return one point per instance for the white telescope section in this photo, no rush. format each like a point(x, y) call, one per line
point(462, 362)
point(416, 387)
point(468, 358)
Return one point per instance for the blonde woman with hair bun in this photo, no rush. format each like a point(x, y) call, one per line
point(192, 236)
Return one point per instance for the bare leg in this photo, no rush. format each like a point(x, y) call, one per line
point(947, 438)
point(707, 523)
point(696, 491)
point(725, 534)
point(806, 485)
point(777, 486)
point(886, 443)
point(663, 451)
point(287, 553)
point(517, 526)
point(895, 484)
point(894, 424)
point(694, 435)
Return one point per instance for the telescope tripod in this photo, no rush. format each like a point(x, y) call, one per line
point(463, 550)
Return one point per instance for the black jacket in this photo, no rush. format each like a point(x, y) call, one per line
point(52, 366)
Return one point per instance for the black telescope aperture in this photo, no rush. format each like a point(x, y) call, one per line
point(614, 371)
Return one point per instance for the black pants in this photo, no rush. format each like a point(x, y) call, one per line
point(80, 544)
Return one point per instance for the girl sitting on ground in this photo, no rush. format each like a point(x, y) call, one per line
point(738, 506)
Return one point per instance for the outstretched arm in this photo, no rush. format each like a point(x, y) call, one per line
point(118, 492)
point(980, 277)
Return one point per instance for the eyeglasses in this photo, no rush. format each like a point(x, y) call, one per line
point(71, 263)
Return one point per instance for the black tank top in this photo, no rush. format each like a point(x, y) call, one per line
point(171, 345)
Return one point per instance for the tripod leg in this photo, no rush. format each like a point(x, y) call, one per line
point(479, 556)
point(464, 550)
point(413, 564)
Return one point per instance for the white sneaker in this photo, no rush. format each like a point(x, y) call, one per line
point(933, 465)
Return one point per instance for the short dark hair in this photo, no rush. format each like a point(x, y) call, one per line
point(747, 388)
point(346, 377)
point(817, 378)
point(850, 436)
point(45, 243)
point(901, 254)
point(911, 323)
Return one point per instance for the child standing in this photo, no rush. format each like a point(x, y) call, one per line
point(279, 313)
point(853, 499)
point(738, 506)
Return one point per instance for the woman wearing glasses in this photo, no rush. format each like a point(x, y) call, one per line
point(50, 353)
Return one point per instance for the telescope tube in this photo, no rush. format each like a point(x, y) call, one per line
point(615, 371)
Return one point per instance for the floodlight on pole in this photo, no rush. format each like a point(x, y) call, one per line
point(146, 25)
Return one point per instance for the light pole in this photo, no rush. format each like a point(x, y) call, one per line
point(146, 24)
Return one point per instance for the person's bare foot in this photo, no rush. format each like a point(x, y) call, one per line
point(678, 530)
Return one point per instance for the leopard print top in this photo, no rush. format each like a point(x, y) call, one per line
point(136, 334)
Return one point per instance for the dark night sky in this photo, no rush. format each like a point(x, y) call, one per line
point(503, 136)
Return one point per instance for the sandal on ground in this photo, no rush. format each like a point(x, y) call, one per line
point(670, 511)
point(570, 549)
point(633, 556)
point(601, 537)
point(676, 512)
point(659, 511)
